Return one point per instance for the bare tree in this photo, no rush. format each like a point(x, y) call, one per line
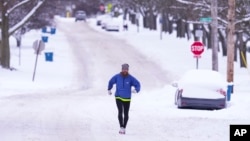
point(7, 7)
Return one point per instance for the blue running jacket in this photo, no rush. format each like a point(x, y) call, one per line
point(123, 86)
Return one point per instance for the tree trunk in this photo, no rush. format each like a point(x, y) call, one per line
point(155, 22)
point(165, 22)
point(187, 30)
point(196, 27)
point(183, 29)
point(206, 37)
point(132, 18)
point(223, 41)
point(170, 27)
point(145, 25)
point(5, 47)
point(151, 19)
point(209, 37)
point(178, 28)
point(214, 34)
point(230, 41)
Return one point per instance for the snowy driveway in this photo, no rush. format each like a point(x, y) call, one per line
point(89, 113)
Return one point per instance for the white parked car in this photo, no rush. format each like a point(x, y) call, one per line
point(112, 24)
point(202, 89)
point(101, 19)
point(104, 23)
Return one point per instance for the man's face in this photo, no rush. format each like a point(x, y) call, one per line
point(124, 72)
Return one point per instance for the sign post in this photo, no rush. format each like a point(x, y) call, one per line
point(38, 46)
point(197, 48)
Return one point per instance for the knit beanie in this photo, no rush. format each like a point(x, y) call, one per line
point(125, 66)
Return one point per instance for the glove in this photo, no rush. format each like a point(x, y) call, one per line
point(109, 92)
point(134, 91)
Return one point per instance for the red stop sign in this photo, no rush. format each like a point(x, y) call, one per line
point(197, 48)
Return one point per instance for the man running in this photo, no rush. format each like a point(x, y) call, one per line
point(124, 83)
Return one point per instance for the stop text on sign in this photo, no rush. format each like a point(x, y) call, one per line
point(197, 48)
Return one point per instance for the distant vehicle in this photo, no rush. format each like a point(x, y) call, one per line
point(112, 25)
point(201, 89)
point(80, 15)
point(104, 20)
point(108, 23)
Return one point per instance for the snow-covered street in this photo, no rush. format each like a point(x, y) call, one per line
point(65, 114)
point(97, 53)
point(83, 111)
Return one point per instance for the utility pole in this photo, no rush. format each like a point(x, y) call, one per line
point(230, 41)
point(214, 26)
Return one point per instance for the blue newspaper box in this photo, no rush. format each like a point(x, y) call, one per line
point(45, 39)
point(53, 30)
point(49, 56)
point(44, 29)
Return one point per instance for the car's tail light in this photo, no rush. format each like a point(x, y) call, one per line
point(183, 103)
point(222, 105)
point(221, 91)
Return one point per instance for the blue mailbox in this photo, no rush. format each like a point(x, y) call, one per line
point(49, 56)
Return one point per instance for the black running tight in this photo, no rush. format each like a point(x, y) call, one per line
point(123, 111)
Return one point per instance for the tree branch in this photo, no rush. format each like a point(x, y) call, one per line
point(17, 5)
point(26, 18)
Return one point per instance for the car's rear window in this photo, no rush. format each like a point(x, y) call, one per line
point(80, 12)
